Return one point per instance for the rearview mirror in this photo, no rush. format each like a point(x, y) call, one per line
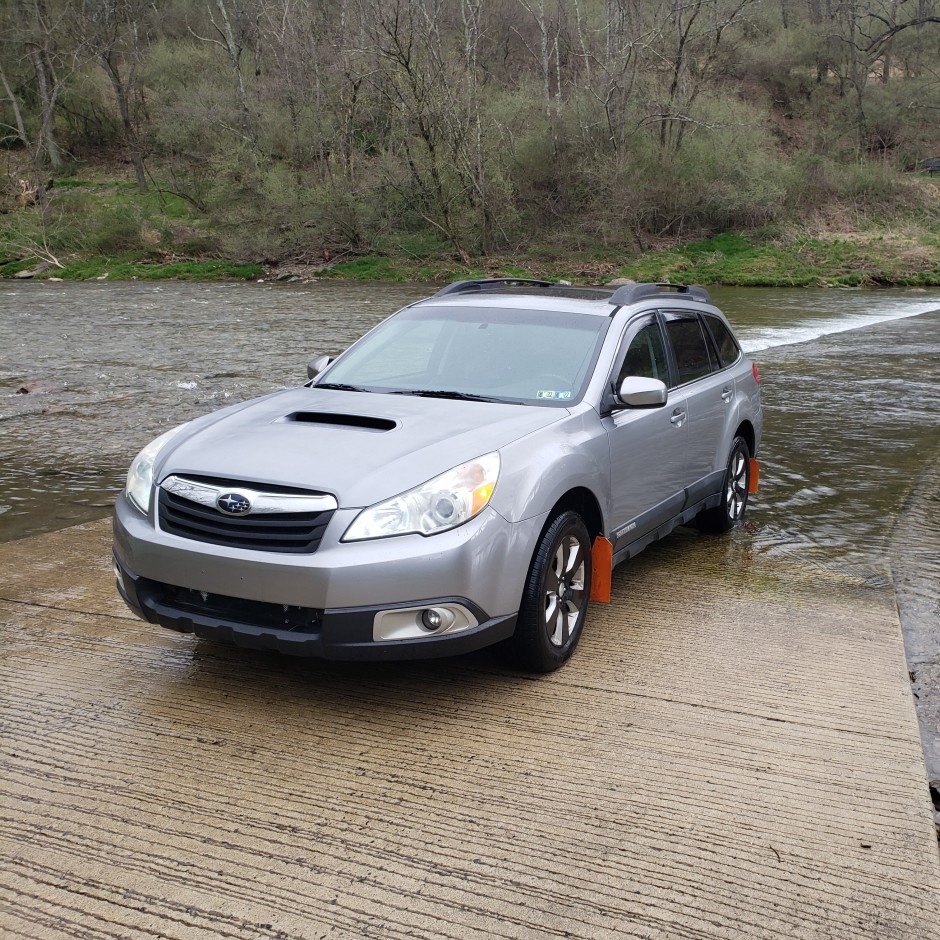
point(316, 366)
point(638, 392)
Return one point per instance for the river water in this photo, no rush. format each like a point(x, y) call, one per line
point(851, 386)
point(90, 372)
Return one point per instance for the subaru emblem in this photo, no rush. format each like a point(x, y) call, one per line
point(233, 504)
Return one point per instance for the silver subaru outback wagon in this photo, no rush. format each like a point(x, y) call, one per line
point(468, 472)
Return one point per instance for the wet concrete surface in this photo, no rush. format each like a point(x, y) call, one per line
point(733, 752)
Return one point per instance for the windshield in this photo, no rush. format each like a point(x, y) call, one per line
point(530, 356)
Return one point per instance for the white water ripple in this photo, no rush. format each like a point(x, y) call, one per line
point(754, 339)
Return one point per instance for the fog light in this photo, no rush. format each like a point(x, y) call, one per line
point(431, 619)
point(118, 576)
point(415, 623)
point(437, 619)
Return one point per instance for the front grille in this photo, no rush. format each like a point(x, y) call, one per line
point(295, 533)
point(177, 602)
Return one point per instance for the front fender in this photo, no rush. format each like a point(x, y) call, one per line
point(539, 469)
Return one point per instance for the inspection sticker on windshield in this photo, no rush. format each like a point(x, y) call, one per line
point(556, 396)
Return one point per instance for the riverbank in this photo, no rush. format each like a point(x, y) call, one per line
point(795, 259)
point(164, 243)
point(791, 259)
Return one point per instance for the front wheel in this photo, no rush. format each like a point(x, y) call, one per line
point(555, 600)
point(730, 511)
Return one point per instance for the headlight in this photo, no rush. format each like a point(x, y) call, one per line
point(443, 503)
point(140, 475)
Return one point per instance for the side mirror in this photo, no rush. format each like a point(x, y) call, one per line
point(638, 392)
point(316, 366)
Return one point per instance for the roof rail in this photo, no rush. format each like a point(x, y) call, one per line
point(631, 293)
point(492, 283)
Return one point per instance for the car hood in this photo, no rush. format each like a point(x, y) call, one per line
point(360, 447)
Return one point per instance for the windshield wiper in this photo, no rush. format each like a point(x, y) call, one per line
point(341, 386)
point(444, 393)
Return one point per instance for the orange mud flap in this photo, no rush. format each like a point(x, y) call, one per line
point(602, 566)
point(755, 476)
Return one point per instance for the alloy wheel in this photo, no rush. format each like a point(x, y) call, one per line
point(736, 492)
point(564, 591)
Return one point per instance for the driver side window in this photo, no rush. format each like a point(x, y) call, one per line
point(646, 356)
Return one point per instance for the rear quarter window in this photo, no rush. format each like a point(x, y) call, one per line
point(728, 349)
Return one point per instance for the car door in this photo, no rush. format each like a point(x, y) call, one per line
point(647, 445)
point(708, 394)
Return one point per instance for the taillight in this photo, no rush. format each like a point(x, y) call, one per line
point(756, 373)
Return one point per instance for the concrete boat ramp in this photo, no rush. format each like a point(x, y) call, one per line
point(733, 752)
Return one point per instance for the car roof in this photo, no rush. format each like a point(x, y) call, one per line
point(524, 294)
point(526, 301)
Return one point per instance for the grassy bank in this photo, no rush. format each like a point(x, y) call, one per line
point(102, 229)
point(730, 259)
point(735, 260)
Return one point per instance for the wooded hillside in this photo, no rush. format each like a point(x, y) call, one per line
point(280, 129)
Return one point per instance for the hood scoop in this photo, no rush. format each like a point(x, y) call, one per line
point(330, 419)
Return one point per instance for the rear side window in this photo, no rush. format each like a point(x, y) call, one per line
point(693, 359)
point(728, 350)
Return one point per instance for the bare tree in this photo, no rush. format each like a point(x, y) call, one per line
point(235, 29)
point(625, 40)
point(115, 34)
point(865, 34)
point(406, 38)
point(690, 36)
point(35, 33)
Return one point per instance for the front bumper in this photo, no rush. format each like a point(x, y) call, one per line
point(326, 604)
point(328, 634)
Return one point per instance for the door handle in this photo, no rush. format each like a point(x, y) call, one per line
point(727, 394)
point(678, 416)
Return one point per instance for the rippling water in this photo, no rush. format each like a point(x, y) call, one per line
point(853, 420)
point(785, 317)
point(107, 367)
point(851, 384)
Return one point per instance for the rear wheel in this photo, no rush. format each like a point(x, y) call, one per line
point(730, 511)
point(555, 600)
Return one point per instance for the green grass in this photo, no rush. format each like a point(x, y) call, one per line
point(368, 269)
point(729, 259)
point(149, 270)
point(73, 184)
point(737, 260)
point(115, 195)
point(11, 268)
point(732, 259)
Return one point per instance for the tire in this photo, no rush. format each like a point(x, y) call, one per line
point(734, 489)
point(555, 599)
